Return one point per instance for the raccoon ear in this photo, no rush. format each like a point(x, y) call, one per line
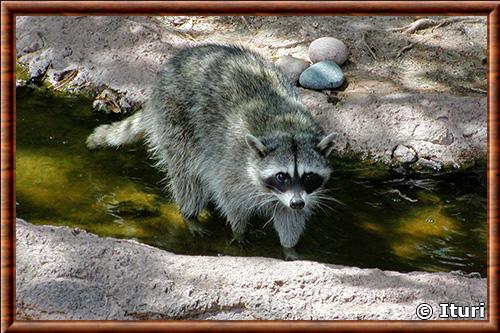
point(325, 146)
point(257, 146)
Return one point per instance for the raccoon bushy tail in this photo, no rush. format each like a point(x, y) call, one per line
point(118, 133)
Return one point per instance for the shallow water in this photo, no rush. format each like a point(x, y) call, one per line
point(389, 220)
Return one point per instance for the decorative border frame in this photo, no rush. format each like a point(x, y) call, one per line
point(10, 9)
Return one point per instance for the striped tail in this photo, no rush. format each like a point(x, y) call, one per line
point(119, 133)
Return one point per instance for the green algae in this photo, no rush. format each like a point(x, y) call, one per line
point(389, 220)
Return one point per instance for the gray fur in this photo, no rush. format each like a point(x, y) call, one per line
point(219, 118)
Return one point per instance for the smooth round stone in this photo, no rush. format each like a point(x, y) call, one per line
point(321, 76)
point(328, 48)
point(404, 154)
point(292, 67)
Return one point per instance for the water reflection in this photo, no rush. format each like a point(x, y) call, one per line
point(388, 219)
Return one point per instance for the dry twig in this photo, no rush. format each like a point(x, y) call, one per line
point(247, 24)
point(479, 90)
point(404, 49)
point(368, 47)
point(427, 23)
point(291, 44)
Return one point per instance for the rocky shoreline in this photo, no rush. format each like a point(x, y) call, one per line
point(410, 101)
point(64, 273)
point(403, 122)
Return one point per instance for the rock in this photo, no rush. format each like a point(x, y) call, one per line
point(20, 84)
point(35, 46)
point(444, 137)
point(429, 164)
point(413, 117)
point(292, 67)
point(404, 154)
point(30, 43)
point(328, 48)
point(63, 273)
point(322, 75)
point(57, 76)
point(39, 65)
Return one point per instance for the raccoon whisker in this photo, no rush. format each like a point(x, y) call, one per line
point(324, 190)
point(267, 198)
point(329, 198)
point(320, 209)
point(324, 207)
point(265, 202)
point(272, 217)
point(259, 195)
point(324, 201)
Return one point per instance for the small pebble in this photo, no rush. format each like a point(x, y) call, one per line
point(443, 137)
point(323, 75)
point(328, 48)
point(404, 154)
point(292, 67)
point(427, 163)
point(20, 83)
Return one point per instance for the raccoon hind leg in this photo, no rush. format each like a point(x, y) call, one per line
point(191, 197)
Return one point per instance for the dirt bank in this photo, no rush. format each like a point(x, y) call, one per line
point(420, 94)
point(66, 273)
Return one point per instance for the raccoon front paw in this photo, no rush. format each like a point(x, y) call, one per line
point(240, 240)
point(196, 228)
point(290, 254)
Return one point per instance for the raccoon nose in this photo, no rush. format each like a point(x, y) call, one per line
point(297, 203)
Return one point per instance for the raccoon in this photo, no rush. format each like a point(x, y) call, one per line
point(229, 128)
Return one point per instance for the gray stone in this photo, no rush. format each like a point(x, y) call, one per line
point(322, 75)
point(69, 274)
point(35, 46)
point(328, 48)
point(404, 154)
point(55, 76)
point(444, 137)
point(399, 113)
point(429, 164)
point(39, 65)
point(292, 67)
point(29, 43)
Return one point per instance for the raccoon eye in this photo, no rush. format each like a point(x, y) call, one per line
point(281, 177)
point(311, 181)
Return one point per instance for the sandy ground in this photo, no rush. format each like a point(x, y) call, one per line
point(422, 94)
point(423, 91)
point(65, 273)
